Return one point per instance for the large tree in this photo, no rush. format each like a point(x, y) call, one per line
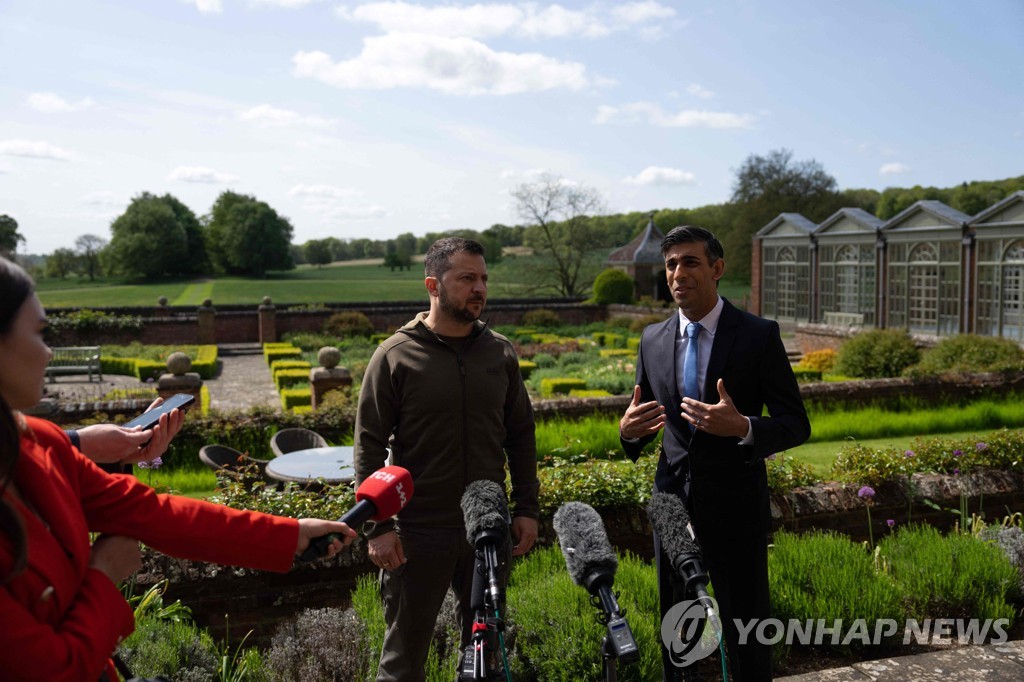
point(89, 247)
point(9, 236)
point(768, 185)
point(61, 263)
point(317, 252)
point(247, 236)
point(557, 214)
point(149, 239)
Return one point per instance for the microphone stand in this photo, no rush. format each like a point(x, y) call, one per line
point(478, 661)
point(618, 643)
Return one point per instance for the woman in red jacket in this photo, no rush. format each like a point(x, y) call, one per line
point(61, 613)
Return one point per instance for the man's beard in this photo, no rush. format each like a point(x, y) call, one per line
point(454, 312)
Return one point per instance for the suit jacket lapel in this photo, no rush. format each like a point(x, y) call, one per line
point(668, 338)
point(725, 336)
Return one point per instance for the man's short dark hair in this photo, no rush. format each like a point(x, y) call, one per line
point(439, 256)
point(688, 234)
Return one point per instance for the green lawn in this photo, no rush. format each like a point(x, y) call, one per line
point(821, 455)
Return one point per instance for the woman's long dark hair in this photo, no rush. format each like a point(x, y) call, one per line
point(15, 288)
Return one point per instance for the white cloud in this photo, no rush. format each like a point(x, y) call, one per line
point(323, 192)
point(283, 4)
point(659, 175)
point(641, 12)
point(268, 116)
point(646, 112)
point(528, 19)
point(201, 174)
point(205, 6)
point(459, 66)
point(347, 213)
point(699, 91)
point(102, 199)
point(894, 168)
point(32, 149)
point(49, 103)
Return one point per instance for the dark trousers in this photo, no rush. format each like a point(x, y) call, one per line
point(738, 568)
point(436, 559)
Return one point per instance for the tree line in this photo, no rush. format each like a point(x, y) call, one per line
point(561, 221)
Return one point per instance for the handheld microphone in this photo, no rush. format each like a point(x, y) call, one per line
point(382, 495)
point(592, 563)
point(671, 522)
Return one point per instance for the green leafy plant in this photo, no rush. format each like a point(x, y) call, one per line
point(613, 286)
point(877, 353)
point(970, 353)
point(541, 317)
point(348, 323)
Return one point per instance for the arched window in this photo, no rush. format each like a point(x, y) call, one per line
point(786, 282)
point(923, 289)
point(1012, 292)
point(847, 280)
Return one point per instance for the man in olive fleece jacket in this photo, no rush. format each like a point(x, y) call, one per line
point(446, 396)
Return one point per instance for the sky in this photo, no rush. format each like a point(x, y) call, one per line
point(370, 119)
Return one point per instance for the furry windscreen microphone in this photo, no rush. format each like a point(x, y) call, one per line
point(671, 522)
point(484, 509)
point(588, 554)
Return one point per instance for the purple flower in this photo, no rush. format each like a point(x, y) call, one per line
point(908, 453)
point(149, 380)
point(155, 463)
point(981, 447)
point(771, 456)
point(890, 522)
point(866, 492)
point(956, 472)
point(958, 453)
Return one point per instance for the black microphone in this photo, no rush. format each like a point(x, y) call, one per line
point(485, 512)
point(592, 563)
point(671, 522)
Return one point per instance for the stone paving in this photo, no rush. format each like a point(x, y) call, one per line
point(244, 381)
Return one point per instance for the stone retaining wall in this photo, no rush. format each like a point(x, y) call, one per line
point(259, 600)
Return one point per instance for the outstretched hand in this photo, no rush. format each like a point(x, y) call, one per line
point(641, 419)
point(109, 443)
point(720, 419)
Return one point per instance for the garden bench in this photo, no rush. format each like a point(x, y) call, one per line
point(834, 319)
point(75, 360)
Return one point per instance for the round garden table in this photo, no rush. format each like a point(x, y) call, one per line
point(333, 465)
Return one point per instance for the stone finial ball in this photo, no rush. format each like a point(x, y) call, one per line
point(207, 302)
point(162, 301)
point(178, 363)
point(267, 301)
point(328, 357)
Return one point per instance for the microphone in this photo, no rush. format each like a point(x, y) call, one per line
point(592, 563)
point(671, 522)
point(382, 495)
point(485, 512)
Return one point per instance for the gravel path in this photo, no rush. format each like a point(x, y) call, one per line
point(244, 381)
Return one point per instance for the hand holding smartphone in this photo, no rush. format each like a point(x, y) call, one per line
point(147, 420)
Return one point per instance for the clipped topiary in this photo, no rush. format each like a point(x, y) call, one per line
point(541, 317)
point(877, 353)
point(971, 353)
point(613, 286)
point(348, 323)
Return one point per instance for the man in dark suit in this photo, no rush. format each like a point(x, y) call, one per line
point(705, 375)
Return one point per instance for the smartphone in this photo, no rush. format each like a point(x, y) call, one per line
point(148, 420)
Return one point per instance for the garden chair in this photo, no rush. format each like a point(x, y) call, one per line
point(223, 459)
point(292, 440)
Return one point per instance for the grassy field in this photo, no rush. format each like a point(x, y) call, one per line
point(338, 283)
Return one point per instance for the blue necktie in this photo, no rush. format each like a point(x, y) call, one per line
point(690, 386)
